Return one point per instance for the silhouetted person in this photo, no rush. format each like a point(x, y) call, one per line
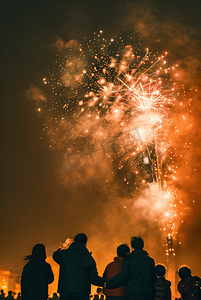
point(19, 296)
point(55, 297)
point(77, 270)
point(161, 285)
point(113, 269)
point(10, 296)
point(99, 291)
point(36, 275)
point(2, 295)
point(189, 286)
point(137, 273)
point(96, 297)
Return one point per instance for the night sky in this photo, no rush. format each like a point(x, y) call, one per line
point(35, 204)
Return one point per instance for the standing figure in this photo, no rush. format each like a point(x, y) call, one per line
point(162, 285)
point(2, 295)
point(19, 296)
point(10, 296)
point(36, 275)
point(189, 286)
point(99, 291)
point(113, 269)
point(55, 297)
point(137, 273)
point(77, 270)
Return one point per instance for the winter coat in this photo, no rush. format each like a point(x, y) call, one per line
point(77, 269)
point(189, 288)
point(162, 289)
point(111, 270)
point(35, 279)
point(137, 274)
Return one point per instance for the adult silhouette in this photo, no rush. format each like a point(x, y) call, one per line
point(10, 296)
point(2, 295)
point(137, 273)
point(113, 269)
point(77, 270)
point(36, 275)
point(55, 297)
point(19, 296)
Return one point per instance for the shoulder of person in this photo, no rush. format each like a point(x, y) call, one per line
point(128, 259)
point(58, 251)
point(91, 258)
point(179, 283)
point(129, 256)
point(118, 259)
point(27, 265)
point(48, 265)
point(166, 282)
point(183, 283)
point(110, 264)
point(152, 259)
point(197, 280)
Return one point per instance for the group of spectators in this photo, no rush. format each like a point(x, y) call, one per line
point(17, 296)
point(11, 295)
point(130, 276)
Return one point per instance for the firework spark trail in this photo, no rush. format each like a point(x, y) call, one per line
point(119, 102)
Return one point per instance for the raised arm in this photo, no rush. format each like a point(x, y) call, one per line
point(57, 256)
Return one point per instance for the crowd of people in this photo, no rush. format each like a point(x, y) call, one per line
point(130, 276)
point(11, 295)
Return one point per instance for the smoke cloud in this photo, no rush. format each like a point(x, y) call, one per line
point(61, 45)
point(34, 93)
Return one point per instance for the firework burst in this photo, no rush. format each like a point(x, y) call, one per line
point(109, 98)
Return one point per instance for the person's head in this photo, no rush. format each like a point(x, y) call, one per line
point(184, 272)
point(81, 238)
point(160, 270)
point(137, 242)
point(99, 290)
point(123, 250)
point(10, 293)
point(38, 253)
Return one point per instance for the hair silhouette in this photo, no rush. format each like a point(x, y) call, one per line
point(137, 242)
point(160, 270)
point(184, 272)
point(123, 250)
point(81, 238)
point(38, 253)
